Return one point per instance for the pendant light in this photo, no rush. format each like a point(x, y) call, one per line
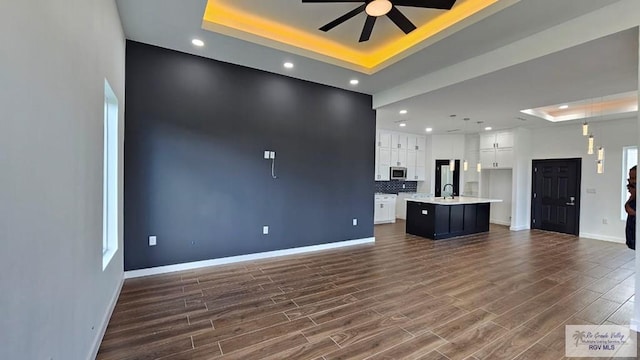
point(590, 145)
point(465, 163)
point(585, 125)
point(452, 160)
point(479, 165)
point(600, 157)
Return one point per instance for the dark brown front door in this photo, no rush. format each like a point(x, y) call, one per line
point(555, 197)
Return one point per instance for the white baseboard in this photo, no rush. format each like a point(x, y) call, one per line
point(105, 321)
point(500, 222)
point(614, 239)
point(520, 227)
point(234, 259)
point(385, 222)
point(635, 325)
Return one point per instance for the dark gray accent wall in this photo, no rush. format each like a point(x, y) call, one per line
point(195, 133)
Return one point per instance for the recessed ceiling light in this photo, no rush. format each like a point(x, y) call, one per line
point(403, 112)
point(288, 65)
point(429, 129)
point(488, 128)
point(197, 42)
point(563, 107)
point(354, 82)
point(403, 124)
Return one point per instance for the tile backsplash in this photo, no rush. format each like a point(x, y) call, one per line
point(395, 186)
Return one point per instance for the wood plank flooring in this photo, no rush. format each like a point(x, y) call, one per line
point(498, 295)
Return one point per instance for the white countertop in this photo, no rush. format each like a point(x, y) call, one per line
point(456, 201)
point(383, 195)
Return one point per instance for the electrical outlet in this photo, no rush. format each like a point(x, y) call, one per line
point(605, 221)
point(267, 154)
point(272, 154)
point(265, 230)
point(355, 222)
point(404, 186)
point(152, 240)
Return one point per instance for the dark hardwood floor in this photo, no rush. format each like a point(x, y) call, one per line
point(498, 295)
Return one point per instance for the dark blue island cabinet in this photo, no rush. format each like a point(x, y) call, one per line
point(436, 221)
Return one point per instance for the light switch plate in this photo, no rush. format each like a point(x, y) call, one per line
point(355, 222)
point(265, 230)
point(152, 240)
point(591, 191)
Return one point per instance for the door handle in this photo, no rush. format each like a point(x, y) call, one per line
point(572, 199)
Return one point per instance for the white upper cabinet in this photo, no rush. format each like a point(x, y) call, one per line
point(383, 155)
point(383, 161)
point(399, 141)
point(496, 150)
point(412, 142)
point(502, 139)
point(399, 158)
point(488, 158)
point(384, 139)
point(411, 159)
point(487, 141)
point(404, 150)
point(504, 158)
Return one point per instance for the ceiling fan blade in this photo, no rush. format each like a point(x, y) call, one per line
point(400, 20)
point(431, 4)
point(367, 29)
point(343, 18)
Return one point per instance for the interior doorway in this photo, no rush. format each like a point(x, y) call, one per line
point(555, 195)
point(445, 176)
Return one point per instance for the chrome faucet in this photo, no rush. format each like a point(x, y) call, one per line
point(444, 188)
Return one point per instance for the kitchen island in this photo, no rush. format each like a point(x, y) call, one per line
point(438, 218)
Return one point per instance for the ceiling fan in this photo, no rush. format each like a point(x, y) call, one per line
point(377, 8)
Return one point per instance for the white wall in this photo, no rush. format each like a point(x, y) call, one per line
point(521, 180)
point(470, 180)
point(55, 56)
point(498, 185)
point(429, 168)
point(567, 142)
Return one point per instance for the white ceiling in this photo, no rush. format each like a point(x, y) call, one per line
point(598, 68)
point(591, 70)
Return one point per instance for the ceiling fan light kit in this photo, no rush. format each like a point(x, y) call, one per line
point(376, 8)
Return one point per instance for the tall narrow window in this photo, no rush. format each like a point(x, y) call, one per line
point(629, 159)
point(110, 177)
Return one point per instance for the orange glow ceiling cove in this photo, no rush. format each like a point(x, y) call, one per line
point(231, 18)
